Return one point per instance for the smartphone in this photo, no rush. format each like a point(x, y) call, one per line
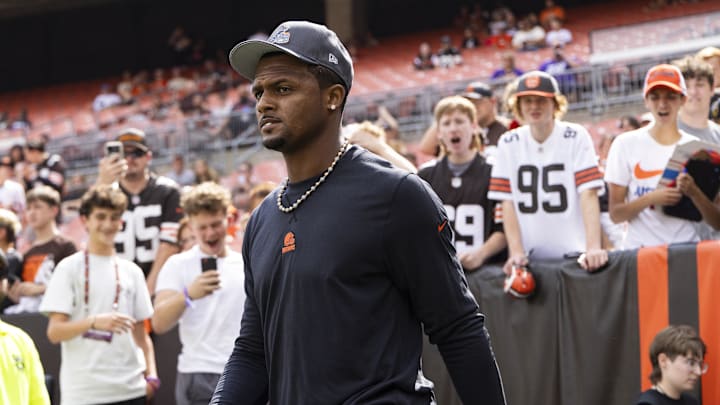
point(114, 147)
point(208, 263)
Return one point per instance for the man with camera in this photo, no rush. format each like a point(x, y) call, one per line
point(149, 234)
point(202, 289)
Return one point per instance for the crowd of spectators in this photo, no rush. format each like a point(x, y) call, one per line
point(469, 137)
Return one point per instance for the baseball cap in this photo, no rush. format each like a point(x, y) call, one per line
point(311, 43)
point(477, 90)
point(664, 75)
point(537, 83)
point(133, 137)
point(36, 144)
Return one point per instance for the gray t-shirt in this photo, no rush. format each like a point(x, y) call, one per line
point(710, 134)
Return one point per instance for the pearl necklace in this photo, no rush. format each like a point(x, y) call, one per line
point(322, 178)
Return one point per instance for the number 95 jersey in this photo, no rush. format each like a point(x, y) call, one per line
point(150, 218)
point(544, 180)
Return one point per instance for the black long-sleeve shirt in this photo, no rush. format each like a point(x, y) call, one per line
point(338, 292)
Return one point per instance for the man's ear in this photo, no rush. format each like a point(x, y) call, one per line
point(663, 359)
point(335, 96)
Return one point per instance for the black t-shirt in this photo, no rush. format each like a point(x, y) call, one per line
point(46, 256)
point(653, 397)
point(151, 217)
point(470, 212)
point(339, 291)
point(14, 271)
point(51, 172)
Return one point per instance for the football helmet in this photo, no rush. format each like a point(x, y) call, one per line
point(520, 283)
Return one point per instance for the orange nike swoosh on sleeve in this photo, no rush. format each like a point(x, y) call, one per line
point(645, 174)
point(442, 226)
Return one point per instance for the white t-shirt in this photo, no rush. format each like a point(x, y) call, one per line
point(12, 196)
point(535, 34)
point(544, 181)
point(561, 37)
point(103, 101)
point(94, 370)
point(637, 161)
point(209, 328)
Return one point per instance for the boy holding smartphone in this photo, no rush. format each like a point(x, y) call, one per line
point(202, 289)
point(96, 303)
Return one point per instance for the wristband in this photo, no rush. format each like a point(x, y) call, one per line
point(188, 300)
point(154, 382)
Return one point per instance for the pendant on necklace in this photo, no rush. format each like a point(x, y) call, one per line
point(135, 199)
point(540, 149)
point(456, 182)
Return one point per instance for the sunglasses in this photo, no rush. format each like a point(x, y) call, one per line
point(136, 153)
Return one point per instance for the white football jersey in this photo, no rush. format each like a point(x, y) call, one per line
point(544, 181)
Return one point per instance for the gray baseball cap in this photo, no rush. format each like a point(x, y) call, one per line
point(477, 90)
point(311, 43)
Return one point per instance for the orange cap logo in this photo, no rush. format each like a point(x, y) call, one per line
point(532, 82)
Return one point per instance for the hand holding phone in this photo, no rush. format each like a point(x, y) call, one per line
point(208, 263)
point(114, 148)
point(207, 282)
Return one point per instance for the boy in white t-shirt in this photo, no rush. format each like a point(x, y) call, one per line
point(207, 300)
point(637, 160)
point(96, 303)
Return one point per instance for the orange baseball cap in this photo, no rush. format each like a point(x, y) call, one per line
point(664, 76)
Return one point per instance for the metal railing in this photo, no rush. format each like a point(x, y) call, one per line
point(590, 88)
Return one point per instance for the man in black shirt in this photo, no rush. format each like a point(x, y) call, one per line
point(43, 168)
point(151, 220)
point(349, 260)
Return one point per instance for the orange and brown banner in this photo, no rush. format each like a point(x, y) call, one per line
point(584, 338)
point(680, 284)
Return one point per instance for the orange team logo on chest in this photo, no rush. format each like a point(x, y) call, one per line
point(288, 243)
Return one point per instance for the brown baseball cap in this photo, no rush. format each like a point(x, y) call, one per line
point(133, 137)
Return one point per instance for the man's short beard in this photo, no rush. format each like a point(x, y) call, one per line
point(275, 144)
point(134, 176)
